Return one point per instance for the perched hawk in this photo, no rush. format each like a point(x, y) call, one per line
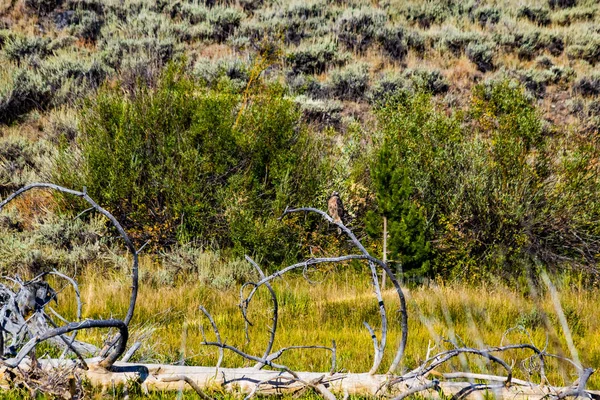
point(336, 208)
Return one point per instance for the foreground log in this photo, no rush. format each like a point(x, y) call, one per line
point(163, 377)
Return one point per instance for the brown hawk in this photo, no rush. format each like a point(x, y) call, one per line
point(336, 208)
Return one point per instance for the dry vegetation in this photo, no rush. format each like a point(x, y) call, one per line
point(324, 74)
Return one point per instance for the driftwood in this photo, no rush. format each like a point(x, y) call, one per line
point(163, 377)
point(27, 319)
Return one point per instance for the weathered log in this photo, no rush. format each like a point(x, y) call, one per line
point(163, 377)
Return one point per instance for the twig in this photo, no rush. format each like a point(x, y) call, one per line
point(189, 381)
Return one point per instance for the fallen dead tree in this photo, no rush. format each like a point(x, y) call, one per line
point(27, 319)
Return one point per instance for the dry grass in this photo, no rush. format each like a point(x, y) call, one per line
point(168, 320)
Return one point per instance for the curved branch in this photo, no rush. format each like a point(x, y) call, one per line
point(217, 334)
point(83, 195)
point(273, 329)
point(434, 384)
point(76, 326)
point(303, 264)
point(388, 271)
point(189, 381)
point(75, 287)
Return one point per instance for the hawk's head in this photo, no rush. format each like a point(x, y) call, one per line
point(335, 194)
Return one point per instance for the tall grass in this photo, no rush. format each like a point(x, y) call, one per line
point(168, 320)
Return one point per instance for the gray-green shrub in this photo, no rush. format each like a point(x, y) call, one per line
point(315, 58)
point(394, 41)
point(350, 83)
point(357, 28)
point(482, 55)
point(538, 15)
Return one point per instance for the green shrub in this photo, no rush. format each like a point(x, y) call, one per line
point(307, 85)
point(457, 41)
point(211, 71)
point(482, 55)
point(385, 88)
point(224, 21)
point(394, 41)
point(427, 14)
point(429, 81)
point(350, 83)
point(86, 25)
point(115, 52)
point(21, 47)
point(42, 7)
point(568, 17)
point(23, 161)
point(562, 3)
point(190, 12)
point(320, 113)
point(315, 58)
point(182, 163)
point(532, 43)
point(587, 49)
point(29, 91)
point(486, 16)
point(537, 15)
point(588, 85)
point(357, 28)
point(481, 182)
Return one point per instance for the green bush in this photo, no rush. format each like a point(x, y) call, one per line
point(21, 47)
point(42, 7)
point(429, 81)
point(427, 14)
point(530, 44)
point(562, 3)
point(86, 25)
point(320, 113)
point(588, 85)
point(537, 15)
point(394, 41)
point(182, 162)
point(457, 41)
point(29, 91)
point(224, 21)
point(481, 181)
point(482, 55)
point(386, 87)
point(587, 49)
point(315, 58)
point(357, 28)
point(486, 15)
point(568, 17)
point(350, 83)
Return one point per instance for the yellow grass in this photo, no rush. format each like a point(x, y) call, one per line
point(168, 322)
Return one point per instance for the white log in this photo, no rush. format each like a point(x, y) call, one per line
point(153, 377)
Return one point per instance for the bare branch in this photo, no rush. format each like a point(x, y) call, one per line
point(75, 326)
point(217, 334)
point(189, 381)
point(388, 271)
point(83, 195)
point(434, 384)
point(273, 329)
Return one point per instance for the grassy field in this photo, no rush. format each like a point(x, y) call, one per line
point(168, 321)
point(327, 69)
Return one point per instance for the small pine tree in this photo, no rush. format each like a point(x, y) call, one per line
point(406, 222)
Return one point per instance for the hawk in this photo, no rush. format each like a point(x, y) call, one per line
point(336, 208)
